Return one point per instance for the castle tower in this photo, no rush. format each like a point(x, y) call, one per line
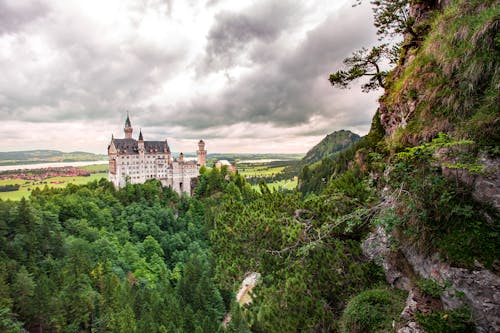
point(128, 128)
point(140, 142)
point(201, 153)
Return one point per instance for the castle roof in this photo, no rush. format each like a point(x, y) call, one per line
point(131, 146)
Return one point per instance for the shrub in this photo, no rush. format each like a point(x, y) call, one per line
point(430, 287)
point(372, 311)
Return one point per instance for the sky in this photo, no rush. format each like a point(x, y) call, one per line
point(245, 76)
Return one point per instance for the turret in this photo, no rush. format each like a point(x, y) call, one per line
point(140, 142)
point(112, 152)
point(201, 153)
point(128, 128)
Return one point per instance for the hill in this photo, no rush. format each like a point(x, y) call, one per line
point(330, 145)
point(42, 156)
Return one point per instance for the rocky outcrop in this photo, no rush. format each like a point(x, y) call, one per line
point(410, 309)
point(376, 247)
point(485, 184)
point(479, 289)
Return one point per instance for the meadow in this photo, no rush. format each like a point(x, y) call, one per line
point(259, 170)
point(58, 182)
point(274, 173)
point(287, 184)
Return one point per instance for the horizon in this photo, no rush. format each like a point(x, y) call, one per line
point(247, 77)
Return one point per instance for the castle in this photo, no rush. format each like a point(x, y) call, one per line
point(135, 161)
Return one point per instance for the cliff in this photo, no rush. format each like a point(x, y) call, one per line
point(440, 180)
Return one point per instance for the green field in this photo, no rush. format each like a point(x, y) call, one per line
point(259, 170)
point(28, 185)
point(95, 168)
point(289, 184)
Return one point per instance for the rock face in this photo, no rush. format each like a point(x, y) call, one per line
point(376, 247)
point(485, 185)
point(479, 289)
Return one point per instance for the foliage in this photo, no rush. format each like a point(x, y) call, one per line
point(91, 258)
point(438, 213)
point(430, 287)
point(456, 321)
point(392, 17)
point(330, 145)
point(9, 187)
point(307, 252)
point(362, 63)
point(372, 311)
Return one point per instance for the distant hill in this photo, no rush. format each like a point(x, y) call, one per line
point(329, 146)
point(42, 156)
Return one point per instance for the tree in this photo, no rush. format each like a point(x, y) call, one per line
point(363, 62)
point(391, 18)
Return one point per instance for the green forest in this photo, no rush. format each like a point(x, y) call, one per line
point(93, 258)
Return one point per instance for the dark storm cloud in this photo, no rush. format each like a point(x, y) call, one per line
point(293, 87)
point(259, 71)
point(232, 35)
point(90, 78)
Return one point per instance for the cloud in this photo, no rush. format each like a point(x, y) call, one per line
point(15, 14)
point(185, 70)
point(235, 33)
point(292, 88)
point(55, 74)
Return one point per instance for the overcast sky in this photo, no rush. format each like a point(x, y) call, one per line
point(246, 76)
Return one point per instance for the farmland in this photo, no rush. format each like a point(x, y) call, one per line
point(26, 186)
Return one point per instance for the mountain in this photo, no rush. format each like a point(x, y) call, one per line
point(330, 145)
point(43, 155)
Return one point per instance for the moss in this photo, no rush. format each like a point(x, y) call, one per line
point(373, 311)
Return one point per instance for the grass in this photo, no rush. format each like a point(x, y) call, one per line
point(259, 170)
point(453, 321)
point(452, 77)
point(95, 168)
point(28, 185)
point(289, 184)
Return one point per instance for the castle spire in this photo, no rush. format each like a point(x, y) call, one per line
point(128, 128)
point(140, 135)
